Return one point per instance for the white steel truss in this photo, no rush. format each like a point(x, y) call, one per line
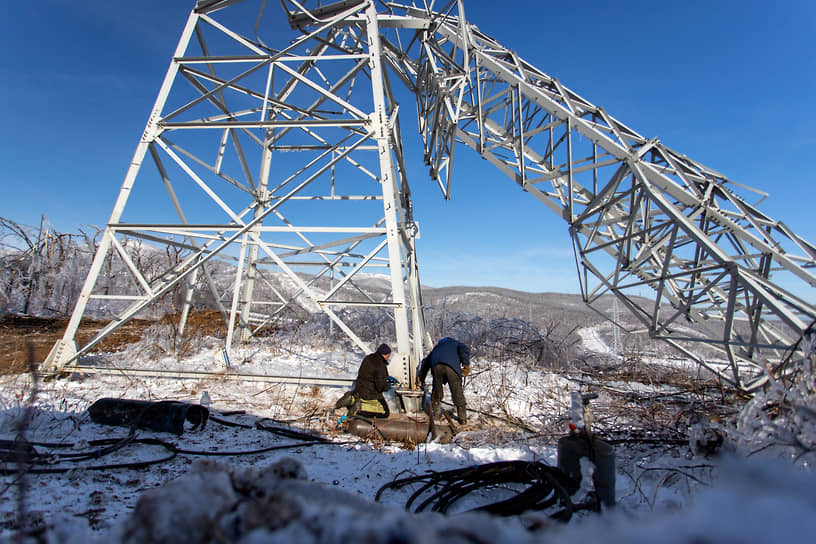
point(274, 160)
point(677, 243)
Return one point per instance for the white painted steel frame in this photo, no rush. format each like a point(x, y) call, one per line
point(677, 243)
point(324, 97)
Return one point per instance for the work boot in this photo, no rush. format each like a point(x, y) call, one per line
point(461, 413)
point(345, 401)
point(436, 411)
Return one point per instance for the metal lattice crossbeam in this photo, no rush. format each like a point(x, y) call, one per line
point(644, 218)
point(257, 140)
point(285, 164)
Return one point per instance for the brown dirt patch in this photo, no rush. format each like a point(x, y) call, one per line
point(23, 337)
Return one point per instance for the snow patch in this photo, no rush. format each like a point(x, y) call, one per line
point(592, 341)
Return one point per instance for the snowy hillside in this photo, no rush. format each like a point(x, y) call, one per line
point(674, 478)
point(694, 460)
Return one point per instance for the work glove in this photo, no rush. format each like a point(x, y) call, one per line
point(465, 371)
point(418, 383)
point(392, 382)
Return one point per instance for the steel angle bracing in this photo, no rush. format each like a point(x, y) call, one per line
point(250, 145)
point(644, 218)
point(274, 179)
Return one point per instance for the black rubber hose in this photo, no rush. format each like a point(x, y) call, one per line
point(170, 447)
point(290, 433)
point(131, 465)
point(281, 431)
point(545, 487)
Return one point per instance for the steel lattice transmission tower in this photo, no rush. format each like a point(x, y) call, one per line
point(286, 163)
point(264, 135)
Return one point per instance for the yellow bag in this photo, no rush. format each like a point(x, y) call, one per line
point(371, 406)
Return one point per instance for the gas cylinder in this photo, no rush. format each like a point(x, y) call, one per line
point(395, 427)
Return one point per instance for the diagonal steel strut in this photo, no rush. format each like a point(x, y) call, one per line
point(679, 244)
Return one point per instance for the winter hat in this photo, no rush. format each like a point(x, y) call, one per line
point(383, 349)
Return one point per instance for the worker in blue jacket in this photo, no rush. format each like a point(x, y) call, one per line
point(449, 361)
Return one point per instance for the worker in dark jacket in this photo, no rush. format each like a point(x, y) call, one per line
point(448, 362)
point(372, 382)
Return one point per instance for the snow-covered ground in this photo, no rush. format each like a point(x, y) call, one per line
point(592, 341)
point(668, 493)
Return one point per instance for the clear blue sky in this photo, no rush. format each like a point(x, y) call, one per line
point(730, 83)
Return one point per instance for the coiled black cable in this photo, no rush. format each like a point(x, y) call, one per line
point(546, 487)
point(43, 463)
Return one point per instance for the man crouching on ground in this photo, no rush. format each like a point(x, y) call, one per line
point(372, 382)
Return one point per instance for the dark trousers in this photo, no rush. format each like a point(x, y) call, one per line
point(443, 374)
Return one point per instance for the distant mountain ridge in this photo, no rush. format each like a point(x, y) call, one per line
point(539, 309)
